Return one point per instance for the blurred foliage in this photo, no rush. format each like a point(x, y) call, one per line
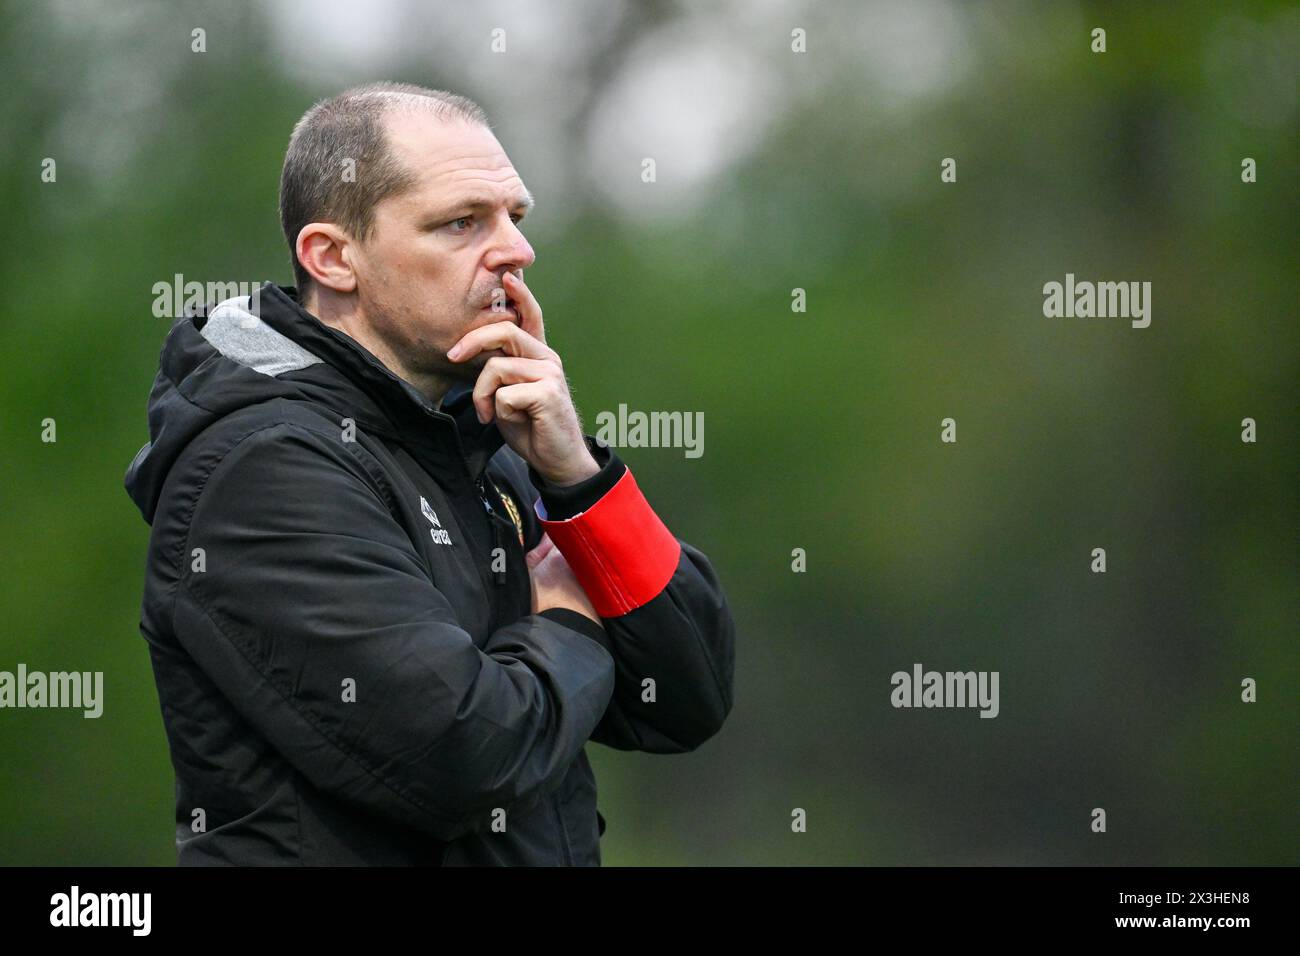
point(822, 429)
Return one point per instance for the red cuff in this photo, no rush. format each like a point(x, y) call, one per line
point(619, 550)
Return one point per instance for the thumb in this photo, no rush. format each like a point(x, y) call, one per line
point(544, 547)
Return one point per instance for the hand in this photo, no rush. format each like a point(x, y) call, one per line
point(525, 390)
point(553, 583)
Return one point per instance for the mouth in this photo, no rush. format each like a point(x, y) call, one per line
point(510, 310)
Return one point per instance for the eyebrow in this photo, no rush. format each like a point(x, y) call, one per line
point(522, 201)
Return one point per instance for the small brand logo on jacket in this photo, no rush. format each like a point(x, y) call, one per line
point(437, 532)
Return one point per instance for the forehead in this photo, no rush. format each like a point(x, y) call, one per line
point(451, 157)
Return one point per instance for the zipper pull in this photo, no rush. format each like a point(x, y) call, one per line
point(482, 495)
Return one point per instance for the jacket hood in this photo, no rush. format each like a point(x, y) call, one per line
point(221, 359)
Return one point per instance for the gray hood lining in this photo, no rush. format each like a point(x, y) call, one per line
point(241, 336)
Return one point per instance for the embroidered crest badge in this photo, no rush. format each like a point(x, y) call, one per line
point(513, 510)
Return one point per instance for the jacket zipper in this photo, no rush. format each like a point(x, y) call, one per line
point(499, 577)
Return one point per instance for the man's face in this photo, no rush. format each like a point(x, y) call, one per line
point(427, 273)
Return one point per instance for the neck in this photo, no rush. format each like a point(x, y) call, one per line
point(338, 313)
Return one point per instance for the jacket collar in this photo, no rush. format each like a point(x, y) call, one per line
point(450, 441)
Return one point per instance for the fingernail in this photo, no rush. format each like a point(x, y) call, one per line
point(453, 351)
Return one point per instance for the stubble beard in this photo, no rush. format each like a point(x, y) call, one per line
point(421, 355)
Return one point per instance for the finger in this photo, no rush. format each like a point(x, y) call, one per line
point(506, 370)
point(534, 557)
point(518, 403)
point(530, 310)
point(506, 336)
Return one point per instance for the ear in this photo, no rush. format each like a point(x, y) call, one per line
point(325, 251)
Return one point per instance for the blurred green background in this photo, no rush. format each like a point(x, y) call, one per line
point(775, 171)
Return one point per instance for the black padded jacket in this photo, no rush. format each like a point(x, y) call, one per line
point(337, 610)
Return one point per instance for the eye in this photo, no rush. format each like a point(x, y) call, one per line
point(464, 219)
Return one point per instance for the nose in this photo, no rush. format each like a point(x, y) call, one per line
point(509, 251)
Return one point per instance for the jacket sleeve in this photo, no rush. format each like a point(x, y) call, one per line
point(661, 602)
point(315, 615)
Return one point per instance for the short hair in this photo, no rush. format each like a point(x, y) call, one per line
point(349, 126)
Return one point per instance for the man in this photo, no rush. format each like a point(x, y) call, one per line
point(392, 588)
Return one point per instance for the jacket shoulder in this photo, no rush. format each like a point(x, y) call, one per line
point(304, 427)
point(278, 444)
point(248, 421)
